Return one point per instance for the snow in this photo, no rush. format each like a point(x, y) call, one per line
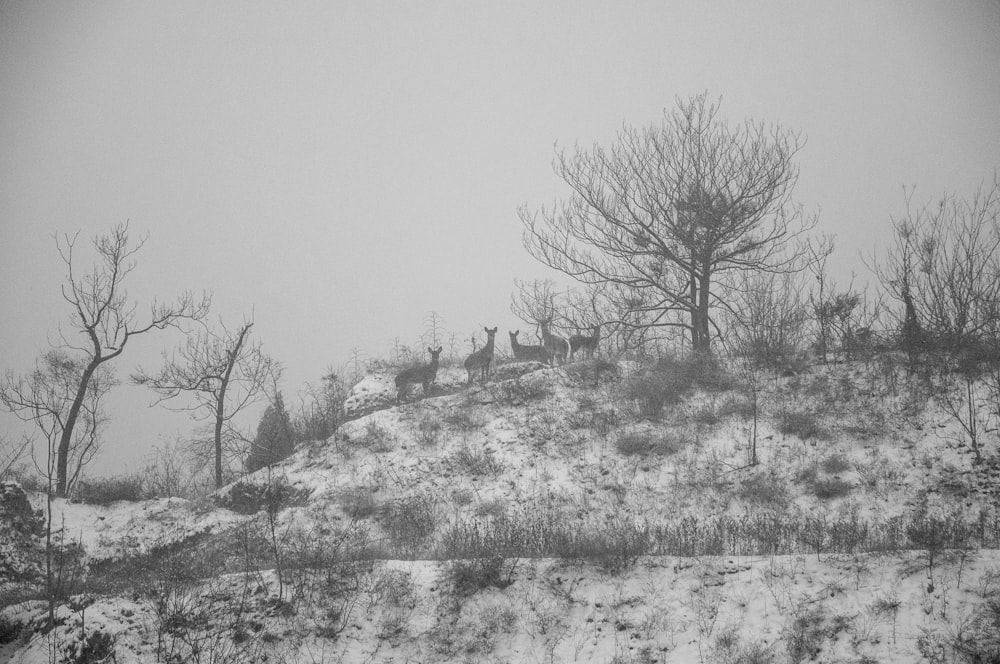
point(545, 443)
point(129, 528)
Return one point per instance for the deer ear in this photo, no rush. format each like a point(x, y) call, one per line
point(430, 350)
point(440, 348)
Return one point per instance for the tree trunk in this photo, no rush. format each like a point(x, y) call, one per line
point(703, 331)
point(220, 404)
point(693, 295)
point(62, 453)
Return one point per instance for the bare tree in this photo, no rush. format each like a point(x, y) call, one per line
point(536, 303)
point(763, 329)
point(434, 329)
point(673, 215)
point(223, 371)
point(47, 397)
point(767, 322)
point(322, 407)
point(11, 453)
point(944, 268)
point(61, 390)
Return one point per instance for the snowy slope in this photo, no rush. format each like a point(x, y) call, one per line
point(564, 446)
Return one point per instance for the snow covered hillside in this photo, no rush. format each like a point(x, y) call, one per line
point(595, 512)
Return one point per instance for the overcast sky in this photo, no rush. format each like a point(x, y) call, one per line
point(340, 169)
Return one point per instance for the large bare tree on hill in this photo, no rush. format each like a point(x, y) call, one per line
point(673, 216)
point(66, 388)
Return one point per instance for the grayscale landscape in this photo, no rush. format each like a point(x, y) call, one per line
point(539, 332)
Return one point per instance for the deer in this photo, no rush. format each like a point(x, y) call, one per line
point(424, 375)
point(528, 353)
point(557, 346)
point(586, 344)
point(482, 358)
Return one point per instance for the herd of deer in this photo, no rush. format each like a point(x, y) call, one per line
point(553, 349)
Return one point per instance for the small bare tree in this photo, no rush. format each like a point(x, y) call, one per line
point(434, 330)
point(105, 321)
point(11, 453)
point(223, 371)
point(763, 327)
point(322, 407)
point(536, 303)
point(769, 320)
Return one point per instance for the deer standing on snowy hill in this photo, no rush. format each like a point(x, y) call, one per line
point(586, 344)
point(482, 358)
point(424, 375)
point(528, 353)
point(557, 346)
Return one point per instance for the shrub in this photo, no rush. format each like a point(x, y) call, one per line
point(94, 648)
point(705, 415)
point(429, 430)
point(654, 390)
point(835, 463)
point(766, 490)
point(464, 419)
point(248, 497)
point(107, 490)
point(615, 547)
point(393, 624)
point(322, 409)
point(672, 378)
point(12, 626)
point(805, 636)
point(377, 438)
point(731, 649)
point(708, 373)
point(592, 371)
point(518, 392)
point(477, 462)
point(807, 475)
point(393, 587)
point(648, 443)
point(491, 508)
point(737, 405)
point(30, 480)
point(358, 502)
point(828, 488)
point(409, 523)
point(16, 513)
point(475, 632)
point(171, 472)
point(467, 577)
point(801, 423)
point(979, 642)
point(933, 533)
point(163, 569)
point(602, 421)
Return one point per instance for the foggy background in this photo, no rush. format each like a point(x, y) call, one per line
point(339, 170)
